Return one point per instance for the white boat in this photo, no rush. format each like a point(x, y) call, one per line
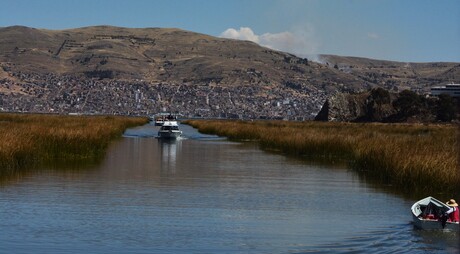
point(159, 121)
point(169, 129)
point(161, 118)
point(428, 212)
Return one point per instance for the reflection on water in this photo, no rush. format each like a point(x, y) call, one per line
point(205, 194)
point(168, 152)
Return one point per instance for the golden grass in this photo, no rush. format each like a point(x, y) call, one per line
point(410, 156)
point(29, 139)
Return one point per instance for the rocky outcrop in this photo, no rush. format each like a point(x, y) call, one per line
point(379, 105)
point(342, 107)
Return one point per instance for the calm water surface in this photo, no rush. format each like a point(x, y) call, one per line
point(203, 194)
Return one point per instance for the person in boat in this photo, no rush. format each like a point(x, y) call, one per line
point(453, 212)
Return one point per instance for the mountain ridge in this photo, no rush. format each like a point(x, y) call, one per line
point(176, 57)
point(154, 53)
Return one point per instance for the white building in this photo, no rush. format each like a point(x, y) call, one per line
point(451, 89)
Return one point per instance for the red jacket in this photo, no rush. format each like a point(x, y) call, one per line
point(454, 216)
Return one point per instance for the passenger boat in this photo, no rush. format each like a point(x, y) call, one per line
point(169, 130)
point(427, 214)
point(161, 118)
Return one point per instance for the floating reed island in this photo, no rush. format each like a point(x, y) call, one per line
point(30, 139)
point(414, 157)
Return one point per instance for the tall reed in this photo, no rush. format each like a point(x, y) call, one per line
point(29, 139)
point(413, 157)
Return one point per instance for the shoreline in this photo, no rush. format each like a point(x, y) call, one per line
point(31, 140)
point(411, 157)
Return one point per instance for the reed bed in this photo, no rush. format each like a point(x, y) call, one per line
point(414, 157)
point(30, 139)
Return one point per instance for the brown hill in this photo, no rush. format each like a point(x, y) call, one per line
point(396, 76)
point(48, 70)
point(157, 55)
point(174, 55)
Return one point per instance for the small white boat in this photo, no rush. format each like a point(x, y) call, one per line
point(169, 129)
point(428, 212)
point(159, 121)
point(161, 118)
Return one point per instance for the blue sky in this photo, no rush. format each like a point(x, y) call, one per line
point(401, 30)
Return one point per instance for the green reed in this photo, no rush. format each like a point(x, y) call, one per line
point(413, 157)
point(32, 139)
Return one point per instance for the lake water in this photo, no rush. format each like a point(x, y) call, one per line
point(203, 194)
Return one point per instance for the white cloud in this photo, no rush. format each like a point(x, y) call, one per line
point(300, 41)
point(373, 36)
point(245, 33)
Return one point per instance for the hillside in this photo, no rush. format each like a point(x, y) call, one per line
point(396, 76)
point(171, 68)
point(156, 55)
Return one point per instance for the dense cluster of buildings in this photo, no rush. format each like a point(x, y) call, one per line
point(26, 92)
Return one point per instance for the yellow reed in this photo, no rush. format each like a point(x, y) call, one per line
point(409, 156)
point(31, 139)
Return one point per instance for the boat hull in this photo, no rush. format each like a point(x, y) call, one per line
point(169, 130)
point(425, 221)
point(434, 224)
point(169, 134)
